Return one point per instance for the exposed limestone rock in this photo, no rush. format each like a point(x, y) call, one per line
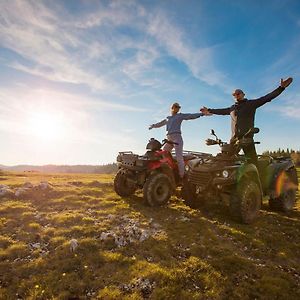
point(130, 231)
point(73, 245)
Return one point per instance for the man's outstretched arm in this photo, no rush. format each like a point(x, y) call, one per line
point(219, 111)
point(269, 97)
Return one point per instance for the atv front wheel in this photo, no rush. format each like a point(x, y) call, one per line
point(123, 187)
point(287, 198)
point(157, 189)
point(245, 203)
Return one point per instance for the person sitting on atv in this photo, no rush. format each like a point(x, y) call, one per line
point(243, 113)
point(173, 127)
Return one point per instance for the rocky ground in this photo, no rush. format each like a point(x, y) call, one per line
point(71, 237)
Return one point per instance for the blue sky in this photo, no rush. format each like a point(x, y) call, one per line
point(82, 80)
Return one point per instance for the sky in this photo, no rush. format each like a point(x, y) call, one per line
point(82, 80)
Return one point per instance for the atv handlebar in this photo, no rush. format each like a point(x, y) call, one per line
point(235, 144)
point(210, 142)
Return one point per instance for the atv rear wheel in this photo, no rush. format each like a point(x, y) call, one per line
point(122, 186)
point(157, 189)
point(245, 203)
point(286, 200)
point(189, 195)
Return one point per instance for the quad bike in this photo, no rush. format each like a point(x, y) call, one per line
point(156, 172)
point(231, 176)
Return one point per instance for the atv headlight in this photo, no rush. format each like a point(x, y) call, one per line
point(186, 167)
point(225, 174)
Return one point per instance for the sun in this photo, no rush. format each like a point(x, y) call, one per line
point(46, 126)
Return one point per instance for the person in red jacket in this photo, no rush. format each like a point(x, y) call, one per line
point(242, 114)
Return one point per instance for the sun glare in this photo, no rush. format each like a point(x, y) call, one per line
point(46, 126)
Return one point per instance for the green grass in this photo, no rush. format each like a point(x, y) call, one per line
point(190, 254)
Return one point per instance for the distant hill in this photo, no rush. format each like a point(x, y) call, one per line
point(101, 169)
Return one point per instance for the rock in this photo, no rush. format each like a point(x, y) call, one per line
point(35, 245)
point(156, 225)
point(184, 219)
point(76, 183)
point(144, 236)
point(44, 185)
point(143, 285)
point(73, 245)
point(120, 241)
point(110, 217)
point(95, 183)
point(6, 192)
point(21, 192)
point(129, 231)
point(28, 185)
point(105, 235)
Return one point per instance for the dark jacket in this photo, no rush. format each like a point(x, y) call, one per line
point(243, 112)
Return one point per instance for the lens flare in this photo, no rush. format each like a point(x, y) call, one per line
point(283, 184)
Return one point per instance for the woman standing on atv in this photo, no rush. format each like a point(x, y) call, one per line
point(173, 127)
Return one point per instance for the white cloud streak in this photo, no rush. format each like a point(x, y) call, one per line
point(174, 40)
point(61, 47)
point(35, 32)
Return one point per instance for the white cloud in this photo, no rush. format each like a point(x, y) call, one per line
point(288, 106)
point(291, 111)
point(178, 45)
point(38, 35)
point(66, 48)
point(116, 13)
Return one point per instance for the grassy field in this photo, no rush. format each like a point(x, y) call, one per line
point(127, 250)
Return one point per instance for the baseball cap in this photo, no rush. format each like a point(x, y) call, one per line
point(176, 104)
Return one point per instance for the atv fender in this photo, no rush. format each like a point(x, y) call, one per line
point(288, 167)
point(249, 172)
point(164, 168)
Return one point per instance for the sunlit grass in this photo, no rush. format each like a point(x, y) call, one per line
point(194, 254)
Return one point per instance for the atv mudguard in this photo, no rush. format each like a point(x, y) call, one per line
point(276, 168)
point(249, 172)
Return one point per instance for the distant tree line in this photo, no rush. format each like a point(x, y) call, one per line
point(293, 154)
point(100, 169)
point(107, 169)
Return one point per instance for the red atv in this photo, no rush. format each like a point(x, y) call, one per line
point(156, 172)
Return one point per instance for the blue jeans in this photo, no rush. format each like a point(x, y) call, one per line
point(176, 138)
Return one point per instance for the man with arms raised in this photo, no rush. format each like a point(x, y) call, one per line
point(242, 114)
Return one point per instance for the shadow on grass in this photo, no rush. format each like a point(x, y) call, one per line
point(196, 253)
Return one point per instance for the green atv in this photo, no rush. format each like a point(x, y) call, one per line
point(230, 176)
